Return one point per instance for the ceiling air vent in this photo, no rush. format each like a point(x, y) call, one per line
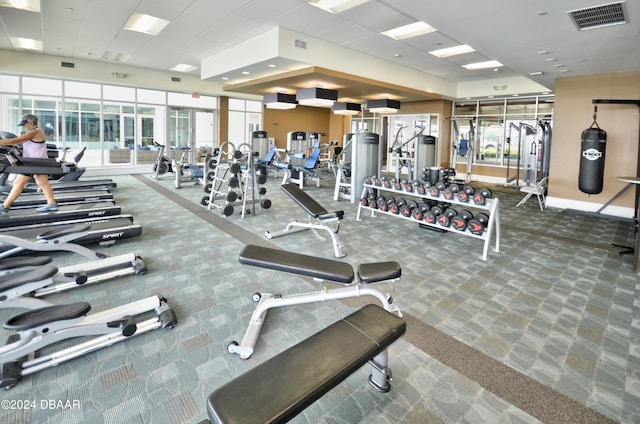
point(599, 16)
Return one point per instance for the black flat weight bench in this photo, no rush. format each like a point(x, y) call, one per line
point(319, 218)
point(356, 283)
point(280, 388)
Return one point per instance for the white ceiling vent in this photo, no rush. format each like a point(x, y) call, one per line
point(599, 16)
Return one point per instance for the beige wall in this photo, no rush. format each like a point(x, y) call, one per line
point(278, 123)
point(573, 113)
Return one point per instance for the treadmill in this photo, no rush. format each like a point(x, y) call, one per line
point(21, 217)
point(104, 231)
point(36, 199)
point(13, 163)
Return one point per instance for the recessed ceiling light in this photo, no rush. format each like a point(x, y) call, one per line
point(453, 51)
point(145, 24)
point(543, 52)
point(408, 31)
point(271, 65)
point(483, 65)
point(535, 73)
point(335, 6)
point(225, 78)
point(551, 59)
point(245, 72)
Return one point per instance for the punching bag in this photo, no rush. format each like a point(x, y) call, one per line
point(592, 148)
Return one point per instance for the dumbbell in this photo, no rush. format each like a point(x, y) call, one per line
point(408, 187)
point(434, 191)
point(393, 207)
point(418, 213)
point(405, 210)
point(400, 203)
point(368, 180)
point(478, 224)
point(480, 197)
point(382, 203)
point(459, 222)
point(465, 194)
point(431, 216)
point(449, 193)
point(377, 182)
point(447, 215)
point(397, 185)
point(386, 183)
point(422, 188)
point(372, 201)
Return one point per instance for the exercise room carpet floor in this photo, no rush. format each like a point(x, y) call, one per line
point(546, 330)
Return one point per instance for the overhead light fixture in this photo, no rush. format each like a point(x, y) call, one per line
point(145, 24)
point(26, 44)
point(453, 51)
point(279, 101)
point(383, 106)
point(183, 67)
point(346, 108)
point(316, 96)
point(483, 65)
point(28, 5)
point(335, 6)
point(408, 31)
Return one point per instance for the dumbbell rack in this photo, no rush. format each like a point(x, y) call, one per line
point(491, 205)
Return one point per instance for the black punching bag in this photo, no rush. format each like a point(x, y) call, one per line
point(592, 149)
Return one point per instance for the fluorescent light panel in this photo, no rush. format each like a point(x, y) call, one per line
point(453, 51)
point(336, 6)
point(183, 67)
point(29, 5)
point(483, 65)
point(145, 24)
point(26, 44)
point(408, 31)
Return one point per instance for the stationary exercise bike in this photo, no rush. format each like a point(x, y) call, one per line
point(162, 164)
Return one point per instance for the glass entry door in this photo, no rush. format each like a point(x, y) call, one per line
point(192, 130)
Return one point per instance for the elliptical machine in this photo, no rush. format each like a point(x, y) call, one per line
point(162, 165)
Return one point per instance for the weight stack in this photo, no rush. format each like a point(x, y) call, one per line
point(592, 147)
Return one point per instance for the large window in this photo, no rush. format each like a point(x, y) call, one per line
point(498, 131)
point(245, 117)
point(115, 124)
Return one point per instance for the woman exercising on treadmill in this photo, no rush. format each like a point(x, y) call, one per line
point(34, 145)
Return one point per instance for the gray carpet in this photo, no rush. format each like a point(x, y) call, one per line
point(546, 330)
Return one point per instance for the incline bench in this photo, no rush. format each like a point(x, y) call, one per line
point(319, 218)
point(280, 388)
point(356, 284)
